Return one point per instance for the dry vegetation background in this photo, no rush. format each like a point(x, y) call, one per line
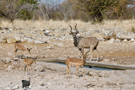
point(117, 25)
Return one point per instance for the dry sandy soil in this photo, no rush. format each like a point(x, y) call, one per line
point(50, 76)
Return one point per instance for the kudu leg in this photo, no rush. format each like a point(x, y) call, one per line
point(97, 55)
point(91, 53)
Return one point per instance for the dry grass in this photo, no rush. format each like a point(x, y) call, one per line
point(126, 25)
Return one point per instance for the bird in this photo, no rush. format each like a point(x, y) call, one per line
point(25, 83)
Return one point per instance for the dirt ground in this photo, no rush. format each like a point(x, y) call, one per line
point(50, 76)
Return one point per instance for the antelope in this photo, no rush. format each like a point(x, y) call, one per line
point(21, 47)
point(82, 43)
point(75, 62)
point(28, 62)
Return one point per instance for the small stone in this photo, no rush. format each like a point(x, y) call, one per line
point(125, 40)
point(7, 60)
point(10, 68)
point(60, 44)
point(40, 69)
point(111, 40)
point(8, 88)
point(117, 40)
point(15, 87)
point(11, 40)
point(49, 83)
point(132, 40)
point(46, 32)
point(42, 84)
point(48, 47)
point(37, 41)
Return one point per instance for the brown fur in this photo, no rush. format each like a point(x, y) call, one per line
point(75, 62)
point(28, 62)
point(21, 47)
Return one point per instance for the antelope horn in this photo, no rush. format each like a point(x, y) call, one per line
point(71, 28)
point(76, 28)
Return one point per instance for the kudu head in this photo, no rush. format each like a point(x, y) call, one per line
point(74, 32)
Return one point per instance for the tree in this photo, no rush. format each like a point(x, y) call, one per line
point(12, 9)
point(97, 10)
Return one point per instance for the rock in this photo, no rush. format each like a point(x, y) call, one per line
point(10, 68)
point(3, 40)
point(91, 74)
point(49, 83)
point(15, 87)
point(40, 68)
point(7, 60)
point(132, 40)
point(17, 37)
point(10, 54)
point(15, 63)
point(11, 40)
point(11, 29)
point(117, 40)
point(60, 44)
point(37, 41)
point(48, 47)
point(8, 88)
point(106, 60)
point(42, 84)
point(111, 40)
point(30, 40)
point(101, 39)
point(125, 35)
point(46, 32)
point(125, 40)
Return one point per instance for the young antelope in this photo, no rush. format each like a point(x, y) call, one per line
point(28, 63)
point(75, 62)
point(21, 47)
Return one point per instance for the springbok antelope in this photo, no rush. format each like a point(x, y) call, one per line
point(28, 62)
point(81, 43)
point(76, 62)
point(21, 47)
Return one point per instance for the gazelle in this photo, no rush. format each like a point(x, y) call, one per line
point(21, 47)
point(76, 62)
point(80, 42)
point(28, 62)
